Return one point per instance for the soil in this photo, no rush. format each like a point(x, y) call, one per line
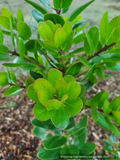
point(17, 141)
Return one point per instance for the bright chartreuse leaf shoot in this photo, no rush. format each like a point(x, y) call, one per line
point(57, 94)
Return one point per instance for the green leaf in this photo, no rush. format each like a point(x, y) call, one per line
point(78, 38)
point(57, 26)
point(46, 3)
point(30, 45)
point(1, 36)
point(67, 28)
point(20, 16)
point(54, 75)
point(68, 43)
point(37, 6)
point(80, 141)
point(58, 4)
point(42, 84)
point(84, 61)
point(12, 34)
point(69, 150)
point(41, 112)
point(41, 133)
point(114, 105)
point(24, 30)
point(48, 125)
point(104, 28)
point(22, 48)
point(71, 123)
point(5, 12)
point(50, 24)
point(82, 90)
point(116, 34)
point(55, 18)
point(44, 97)
point(12, 91)
point(79, 10)
point(106, 107)
point(116, 115)
point(5, 22)
point(113, 138)
point(88, 85)
point(38, 16)
point(77, 24)
point(115, 68)
point(3, 79)
point(112, 126)
point(45, 31)
point(12, 64)
point(62, 88)
point(35, 75)
point(102, 99)
point(29, 81)
point(111, 57)
point(3, 49)
point(88, 73)
point(50, 45)
point(64, 10)
point(13, 76)
point(94, 112)
point(94, 35)
point(74, 69)
point(88, 45)
point(78, 50)
point(74, 90)
point(78, 129)
point(54, 142)
point(69, 78)
point(87, 148)
point(74, 107)
point(54, 104)
point(32, 94)
point(48, 154)
point(102, 122)
point(59, 38)
point(60, 119)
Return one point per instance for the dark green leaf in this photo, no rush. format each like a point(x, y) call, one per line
point(38, 16)
point(35, 75)
point(4, 57)
point(41, 133)
point(87, 148)
point(55, 18)
point(113, 138)
point(74, 69)
point(30, 45)
point(48, 154)
point(71, 123)
point(54, 142)
point(59, 4)
point(69, 150)
point(77, 50)
point(37, 6)
point(13, 64)
point(79, 10)
point(46, 3)
point(79, 23)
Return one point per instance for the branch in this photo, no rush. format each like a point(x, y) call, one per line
point(27, 59)
point(101, 50)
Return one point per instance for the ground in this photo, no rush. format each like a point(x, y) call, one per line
point(17, 139)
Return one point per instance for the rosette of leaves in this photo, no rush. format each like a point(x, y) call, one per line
point(57, 39)
point(56, 97)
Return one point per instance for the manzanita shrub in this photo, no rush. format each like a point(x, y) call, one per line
point(60, 76)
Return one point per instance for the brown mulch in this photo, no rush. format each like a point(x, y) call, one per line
point(17, 141)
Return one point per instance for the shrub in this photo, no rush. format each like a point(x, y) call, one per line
point(59, 76)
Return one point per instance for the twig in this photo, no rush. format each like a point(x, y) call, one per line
point(101, 50)
point(27, 59)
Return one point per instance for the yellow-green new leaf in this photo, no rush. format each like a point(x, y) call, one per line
point(45, 31)
point(41, 113)
point(5, 22)
point(32, 94)
point(67, 28)
point(24, 30)
point(44, 97)
point(54, 104)
point(12, 34)
point(5, 12)
point(3, 79)
point(59, 38)
point(20, 16)
point(116, 34)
